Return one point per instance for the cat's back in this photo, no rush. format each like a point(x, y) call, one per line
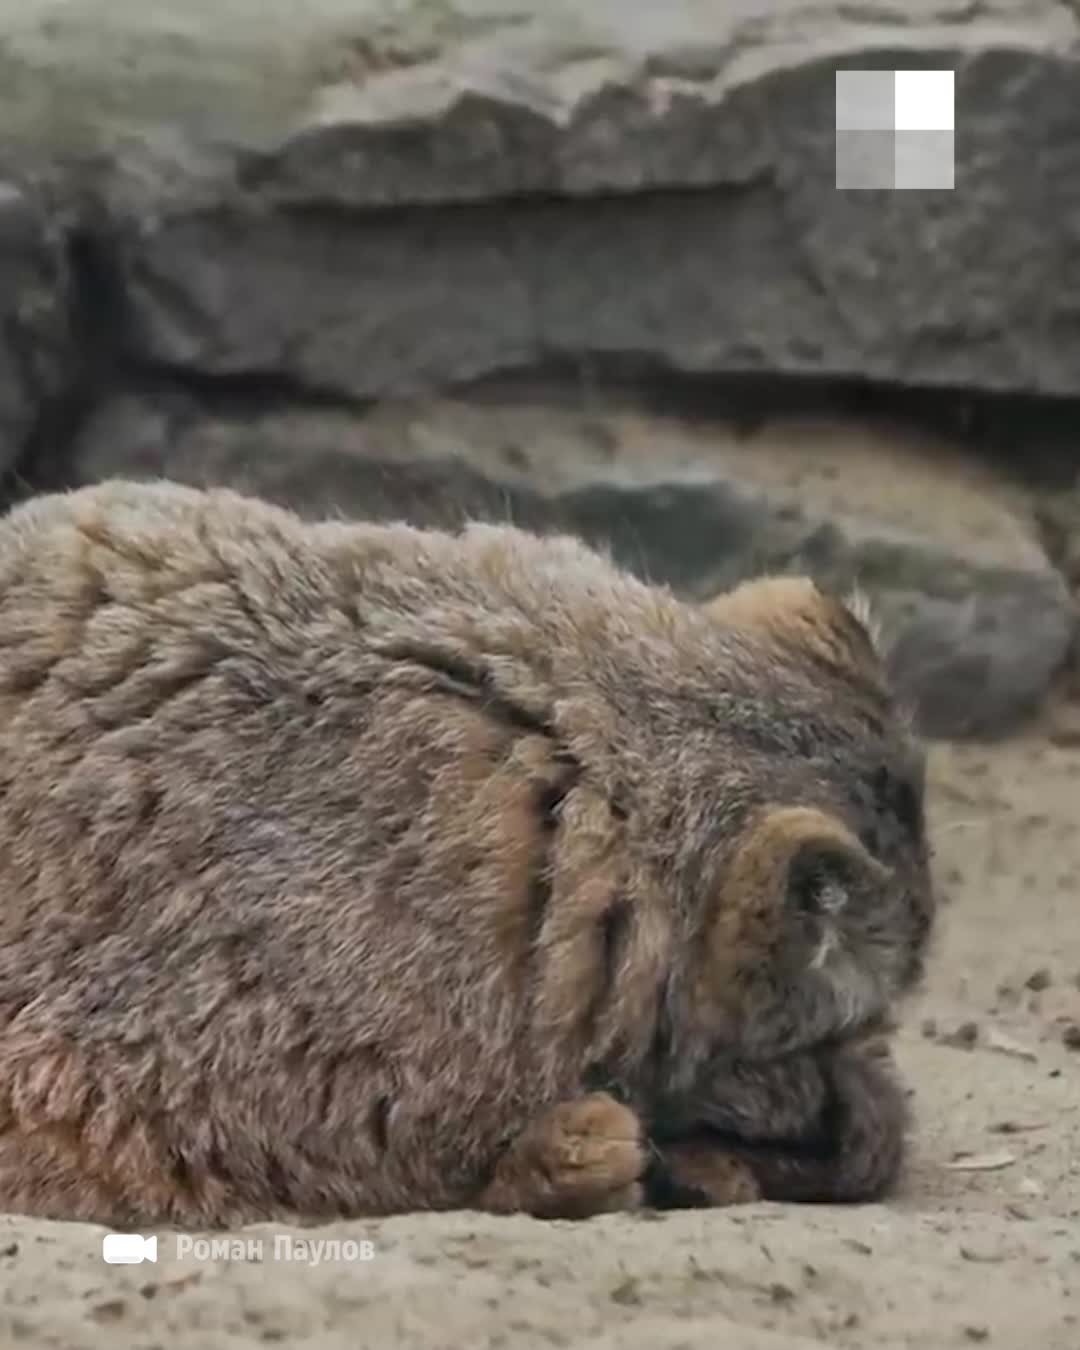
point(160, 664)
point(231, 768)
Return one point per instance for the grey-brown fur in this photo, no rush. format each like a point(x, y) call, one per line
point(828, 1125)
point(349, 869)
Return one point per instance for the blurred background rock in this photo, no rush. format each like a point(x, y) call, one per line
point(580, 266)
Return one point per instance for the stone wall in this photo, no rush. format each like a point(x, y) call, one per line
point(389, 258)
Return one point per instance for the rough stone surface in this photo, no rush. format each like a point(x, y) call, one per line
point(976, 619)
point(35, 355)
point(283, 220)
point(377, 198)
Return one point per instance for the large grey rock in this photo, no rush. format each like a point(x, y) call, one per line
point(35, 353)
point(374, 198)
point(976, 630)
point(338, 204)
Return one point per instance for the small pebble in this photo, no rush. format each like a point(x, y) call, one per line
point(973, 1254)
point(965, 1036)
point(112, 1310)
point(626, 1293)
point(1005, 1045)
point(1071, 1036)
point(1038, 980)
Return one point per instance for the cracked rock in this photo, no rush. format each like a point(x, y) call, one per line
point(35, 358)
point(382, 199)
point(346, 205)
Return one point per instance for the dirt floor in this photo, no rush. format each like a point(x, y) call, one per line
point(982, 1246)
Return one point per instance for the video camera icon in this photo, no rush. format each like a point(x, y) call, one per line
point(128, 1249)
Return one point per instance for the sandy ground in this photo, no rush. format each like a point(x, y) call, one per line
point(982, 1245)
point(961, 1257)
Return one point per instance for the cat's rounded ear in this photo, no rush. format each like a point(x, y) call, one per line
point(769, 602)
point(795, 609)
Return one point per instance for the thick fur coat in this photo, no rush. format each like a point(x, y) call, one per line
point(349, 869)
